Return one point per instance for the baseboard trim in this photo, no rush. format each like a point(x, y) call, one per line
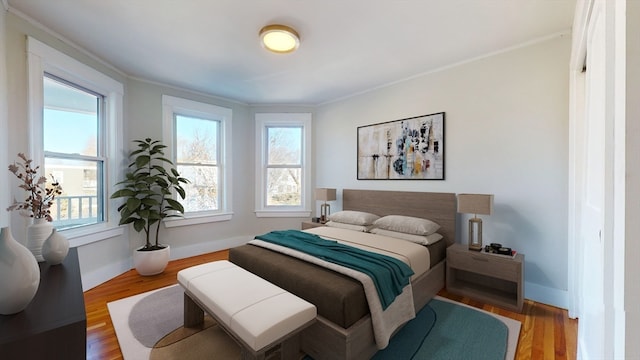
point(106, 273)
point(546, 295)
point(97, 277)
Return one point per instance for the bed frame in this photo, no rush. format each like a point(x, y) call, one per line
point(324, 340)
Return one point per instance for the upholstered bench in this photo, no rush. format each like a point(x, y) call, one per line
point(258, 314)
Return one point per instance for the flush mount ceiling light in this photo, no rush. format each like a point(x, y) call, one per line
point(279, 38)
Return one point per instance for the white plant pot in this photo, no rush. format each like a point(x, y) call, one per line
point(37, 233)
point(149, 263)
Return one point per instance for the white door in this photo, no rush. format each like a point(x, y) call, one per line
point(591, 325)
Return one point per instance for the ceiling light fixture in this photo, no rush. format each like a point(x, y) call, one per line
point(279, 38)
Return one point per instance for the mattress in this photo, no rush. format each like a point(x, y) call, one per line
point(338, 298)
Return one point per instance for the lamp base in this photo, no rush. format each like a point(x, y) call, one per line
point(475, 234)
point(325, 210)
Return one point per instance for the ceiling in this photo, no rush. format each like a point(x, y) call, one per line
point(347, 47)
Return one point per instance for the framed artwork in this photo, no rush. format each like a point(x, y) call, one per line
point(405, 149)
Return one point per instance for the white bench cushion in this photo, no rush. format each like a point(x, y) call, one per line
point(252, 308)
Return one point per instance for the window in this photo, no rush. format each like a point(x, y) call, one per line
point(75, 121)
point(197, 160)
point(72, 119)
point(283, 165)
point(198, 138)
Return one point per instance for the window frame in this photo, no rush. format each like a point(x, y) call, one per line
point(270, 120)
point(43, 59)
point(172, 106)
point(98, 158)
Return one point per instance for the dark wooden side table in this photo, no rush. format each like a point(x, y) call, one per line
point(54, 324)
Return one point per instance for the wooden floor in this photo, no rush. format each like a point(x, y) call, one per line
point(546, 332)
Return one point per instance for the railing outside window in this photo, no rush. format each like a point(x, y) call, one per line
point(73, 211)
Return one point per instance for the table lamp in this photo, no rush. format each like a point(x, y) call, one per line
point(325, 195)
point(475, 204)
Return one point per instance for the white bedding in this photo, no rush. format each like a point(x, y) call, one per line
point(412, 254)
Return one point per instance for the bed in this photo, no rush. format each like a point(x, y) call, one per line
point(344, 328)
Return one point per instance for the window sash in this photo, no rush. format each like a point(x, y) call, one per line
point(79, 205)
point(269, 201)
point(296, 152)
point(83, 206)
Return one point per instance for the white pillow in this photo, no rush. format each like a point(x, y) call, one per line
point(418, 239)
point(354, 217)
point(362, 228)
point(407, 224)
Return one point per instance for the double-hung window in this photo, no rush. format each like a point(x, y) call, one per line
point(198, 138)
point(283, 164)
point(73, 119)
point(75, 133)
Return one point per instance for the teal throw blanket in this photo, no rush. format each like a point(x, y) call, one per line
point(389, 275)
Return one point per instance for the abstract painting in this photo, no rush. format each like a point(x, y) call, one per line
point(405, 149)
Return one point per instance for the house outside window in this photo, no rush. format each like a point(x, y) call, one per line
point(75, 122)
point(198, 136)
point(283, 164)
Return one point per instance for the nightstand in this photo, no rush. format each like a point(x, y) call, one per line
point(311, 225)
point(489, 278)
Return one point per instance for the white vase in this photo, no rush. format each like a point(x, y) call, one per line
point(153, 262)
point(55, 248)
point(19, 274)
point(37, 233)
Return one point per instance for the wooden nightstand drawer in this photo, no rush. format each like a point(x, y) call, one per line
point(507, 269)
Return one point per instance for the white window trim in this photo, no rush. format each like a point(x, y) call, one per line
point(43, 58)
point(263, 120)
point(172, 105)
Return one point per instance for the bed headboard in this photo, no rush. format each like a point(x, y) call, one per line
point(438, 207)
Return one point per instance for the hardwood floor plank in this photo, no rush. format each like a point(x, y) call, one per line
point(546, 331)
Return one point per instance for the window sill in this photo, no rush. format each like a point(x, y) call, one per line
point(196, 219)
point(282, 214)
point(85, 236)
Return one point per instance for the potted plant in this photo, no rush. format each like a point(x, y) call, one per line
point(147, 191)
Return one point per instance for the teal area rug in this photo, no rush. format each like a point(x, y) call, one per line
point(445, 330)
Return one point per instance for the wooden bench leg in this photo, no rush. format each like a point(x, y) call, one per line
point(246, 354)
point(291, 348)
point(193, 314)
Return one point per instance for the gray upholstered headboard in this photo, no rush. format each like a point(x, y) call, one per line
point(438, 207)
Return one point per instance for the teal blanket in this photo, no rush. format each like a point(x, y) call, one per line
point(389, 275)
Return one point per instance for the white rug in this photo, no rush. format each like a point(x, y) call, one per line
point(132, 349)
point(119, 310)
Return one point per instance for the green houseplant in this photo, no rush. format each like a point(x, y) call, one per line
point(147, 191)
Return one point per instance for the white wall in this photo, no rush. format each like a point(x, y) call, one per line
point(627, 308)
point(506, 131)
point(4, 135)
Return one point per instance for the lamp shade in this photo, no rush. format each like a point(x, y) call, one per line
point(475, 204)
point(325, 194)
